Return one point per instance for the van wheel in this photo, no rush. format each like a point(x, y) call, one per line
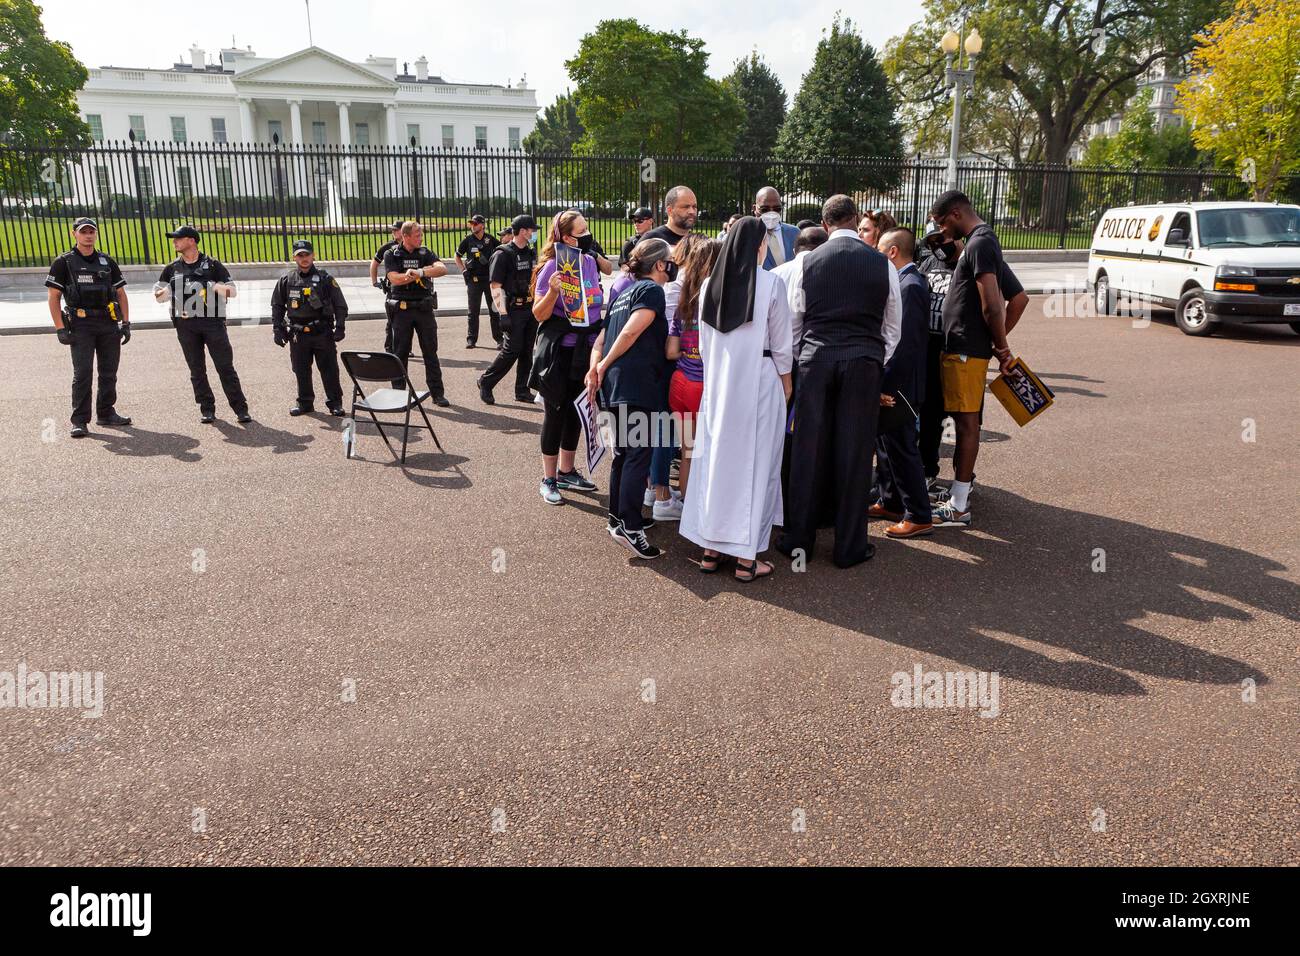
point(1105, 299)
point(1192, 316)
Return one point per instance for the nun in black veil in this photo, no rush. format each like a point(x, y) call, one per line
point(747, 352)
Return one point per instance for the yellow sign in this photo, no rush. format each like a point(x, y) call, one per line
point(1022, 393)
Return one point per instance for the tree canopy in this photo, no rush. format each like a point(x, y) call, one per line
point(39, 80)
point(763, 98)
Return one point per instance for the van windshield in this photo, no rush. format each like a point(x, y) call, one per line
point(1248, 226)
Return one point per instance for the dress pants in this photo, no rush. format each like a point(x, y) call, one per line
point(932, 413)
point(408, 323)
point(835, 415)
point(195, 335)
point(320, 348)
point(520, 331)
point(479, 293)
point(389, 310)
point(900, 479)
point(94, 340)
point(628, 472)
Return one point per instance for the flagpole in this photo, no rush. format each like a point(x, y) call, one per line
point(310, 40)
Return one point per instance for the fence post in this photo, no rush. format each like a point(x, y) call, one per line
point(415, 190)
point(916, 194)
point(280, 194)
point(139, 202)
point(1134, 193)
point(1065, 205)
point(993, 205)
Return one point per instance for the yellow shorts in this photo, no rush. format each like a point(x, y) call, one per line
point(963, 382)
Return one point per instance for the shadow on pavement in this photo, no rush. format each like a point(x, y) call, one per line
point(257, 435)
point(137, 443)
point(1022, 596)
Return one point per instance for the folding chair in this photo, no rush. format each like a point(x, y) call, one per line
point(384, 367)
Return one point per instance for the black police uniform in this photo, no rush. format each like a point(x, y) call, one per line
point(199, 315)
point(476, 254)
point(89, 286)
point(309, 312)
point(412, 306)
point(513, 268)
point(384, 287)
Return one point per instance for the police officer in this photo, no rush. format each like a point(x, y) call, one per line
point(308, 311)
point(473, 255)
point(643, 220)
point(379, 279)
point(197, 287)
point(510, 274)
point(411, 269)
point(94, 322)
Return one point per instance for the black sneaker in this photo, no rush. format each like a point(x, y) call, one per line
point(114, 421)
point(485, 394)
point(636, 542)
point(301, 409)
point(336, 410)
point(613, 525)
point(79, 431)
point(574, 481)
point(207, 418)
point(243, 418)
point(441, 401)
point(524, 397)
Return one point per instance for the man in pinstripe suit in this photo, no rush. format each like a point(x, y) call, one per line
point(851, 321)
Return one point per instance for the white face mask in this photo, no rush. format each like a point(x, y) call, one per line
point(771, 220)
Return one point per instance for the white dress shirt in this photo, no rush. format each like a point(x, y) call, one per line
point(791, 273)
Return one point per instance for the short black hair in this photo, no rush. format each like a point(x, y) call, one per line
point(839, 210)
point(901, 237)
point(810, 237)
point(948, 201)
point(806, 224)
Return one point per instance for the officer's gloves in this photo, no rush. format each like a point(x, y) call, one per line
point(338, 333)
point(280, 338)
point(65, 335)
point(126, 333)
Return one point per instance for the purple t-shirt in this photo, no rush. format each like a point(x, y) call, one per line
point(591, 279)
point(689, 363)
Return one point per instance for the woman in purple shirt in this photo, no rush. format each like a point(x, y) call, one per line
point(563, 351)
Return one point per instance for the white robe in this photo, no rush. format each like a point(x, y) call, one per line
point(734, 495)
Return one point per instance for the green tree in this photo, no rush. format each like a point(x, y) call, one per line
point(1140, 143)
point(1243, 95)
point(844, 108)
point(643, 91)
point(763, 98)
point(558, 131)
point(39, 80)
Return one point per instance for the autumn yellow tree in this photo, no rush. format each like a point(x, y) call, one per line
point(1242, 96)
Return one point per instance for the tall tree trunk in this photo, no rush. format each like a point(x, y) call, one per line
point(1055, 202)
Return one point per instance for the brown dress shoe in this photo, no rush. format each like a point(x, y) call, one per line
point(908, 529)
point(878, 511)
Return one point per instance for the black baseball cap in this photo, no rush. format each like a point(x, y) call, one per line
point(523, 222)
point(507, 231)
point(84, 221)
point(398, 224)
point(302, 245)
point(185, 232)
point(478, 218)
point(641, 212)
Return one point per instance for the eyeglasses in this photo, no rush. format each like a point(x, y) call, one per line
point(775, 207)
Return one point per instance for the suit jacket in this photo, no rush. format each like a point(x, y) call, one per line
point(788, 235)
point(905, 371)
point(846, 290)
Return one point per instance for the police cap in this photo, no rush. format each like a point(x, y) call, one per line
point(302, 245)
point(478, 219)
point(84, 221)
point(640, 213)
point(523, 222)
point(184, 232)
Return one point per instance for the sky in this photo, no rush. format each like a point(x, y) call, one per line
point(535, 38)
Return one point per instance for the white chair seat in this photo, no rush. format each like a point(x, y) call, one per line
point(390, 400)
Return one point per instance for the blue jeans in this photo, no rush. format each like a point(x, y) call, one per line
point(661, 460)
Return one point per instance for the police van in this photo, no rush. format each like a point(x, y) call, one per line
point(1210, 262)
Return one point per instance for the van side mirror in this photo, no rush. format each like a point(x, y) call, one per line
point(1177, 237)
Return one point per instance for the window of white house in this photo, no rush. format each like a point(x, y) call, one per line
point(480, 137)
point(362, 137)
point(178, 129)
point(225, 183)
point(481, 188)
point(413, 133)
point(514, 137)
point(218, 129)
point(517, 186)
point(96, 124)
point(103, 184)
point(449, 137)
point(318, 133)
point(185, 181)
point(146, 182)
point(137, 126)
point(275, 128)
point(449, 182)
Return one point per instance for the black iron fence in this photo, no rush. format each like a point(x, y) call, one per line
point(252, 201)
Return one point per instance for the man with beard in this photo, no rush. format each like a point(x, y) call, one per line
point(683, 209)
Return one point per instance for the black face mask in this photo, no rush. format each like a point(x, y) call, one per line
point(670, 269)
point(948, 254)
point(584, 243)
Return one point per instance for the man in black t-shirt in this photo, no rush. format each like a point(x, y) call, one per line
point(411, 269)
point(95, 323)
point(683, 210)
point(974, 327)
point(643, 220)
point(473, 255)
point(510, 277)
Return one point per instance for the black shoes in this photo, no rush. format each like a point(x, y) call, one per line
point(244, 418)
point(337, 411)
point(301, 409)
point(114, 421)
point(485, 394)
point(524, 397)
point(635, 541)
point(441, 402)
point(470, 343)
point(207, 418)
point(79, 431)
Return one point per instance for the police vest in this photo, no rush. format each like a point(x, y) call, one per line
point(308, 305)
point(192, 295)
point(90, 292)
point(518, 282)
point(415, 293)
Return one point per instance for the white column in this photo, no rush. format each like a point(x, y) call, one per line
point(390, 110)
point(295, 120)
point(246, 119)
point(345, 125)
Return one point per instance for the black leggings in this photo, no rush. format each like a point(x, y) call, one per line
point(561, 428)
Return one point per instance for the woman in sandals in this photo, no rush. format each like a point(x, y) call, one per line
point(747, 352)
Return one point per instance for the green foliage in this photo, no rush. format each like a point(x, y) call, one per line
point(641, 91)
point(39, 80)
point(558, 130)
point(763, 98)
point(844, 108)
point(1140, 143)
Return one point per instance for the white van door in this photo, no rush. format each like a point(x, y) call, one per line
point(1174, 265)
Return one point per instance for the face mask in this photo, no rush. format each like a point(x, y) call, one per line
point(532, 240)
point(584, 243)
point(771, 220)
point(948, 253)
point(670, 269)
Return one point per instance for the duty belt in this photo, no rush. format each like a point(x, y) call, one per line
point(427, 304)
point(107, 312)
point(324, 324)
point(519, 301)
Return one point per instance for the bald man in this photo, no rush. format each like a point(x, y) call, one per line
point(780, 235)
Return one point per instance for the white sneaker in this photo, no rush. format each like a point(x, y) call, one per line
point(649, 500)
point(670, 510)
point(549, 492)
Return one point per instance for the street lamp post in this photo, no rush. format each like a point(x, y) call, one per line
point(960, 81)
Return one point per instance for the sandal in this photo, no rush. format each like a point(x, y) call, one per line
point(749, 573)
point(710, 565)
